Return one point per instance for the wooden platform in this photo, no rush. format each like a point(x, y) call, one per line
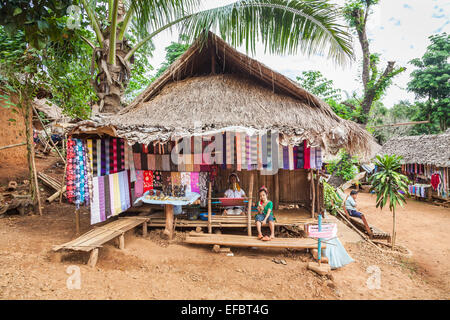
point(246, 241)
point(219, 221)
point(96, 237)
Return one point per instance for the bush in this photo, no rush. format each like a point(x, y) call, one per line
point(344, 167)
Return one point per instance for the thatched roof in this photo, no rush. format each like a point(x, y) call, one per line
point(215, 86)
point(426, 149)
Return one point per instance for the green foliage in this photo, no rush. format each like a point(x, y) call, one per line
point(345, 166)
point(317, 84)
point(352, 7)
point(431, 81)
point(41, 21)
point(173, 51)
point(331, 198)
point(389, 185)
point(62, 70)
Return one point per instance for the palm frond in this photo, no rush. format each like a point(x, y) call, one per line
point(283, 26)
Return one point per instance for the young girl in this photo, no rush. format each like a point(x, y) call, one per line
point(265, 214)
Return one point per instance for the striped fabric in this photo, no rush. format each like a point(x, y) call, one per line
point(259, 165)
point(291, 157)
point(243, 150)
point(238, 152)
point(107, 196)
point(312, 158)
point(139, 184)
point(248, 152)
point(101, 197)
point(99, 157)
point(254, 151)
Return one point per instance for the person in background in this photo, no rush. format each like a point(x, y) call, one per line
point(350, 205)
point(234, 191)
point(265, 215)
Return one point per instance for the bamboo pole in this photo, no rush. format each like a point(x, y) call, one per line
point(38, 193)
point(313, 193)
point(249, 209)
point(13, 145)
point(317, 192)
point(51, 141)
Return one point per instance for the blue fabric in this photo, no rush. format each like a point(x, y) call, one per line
point(355, 213)
point(260, 217)
point(336, 253)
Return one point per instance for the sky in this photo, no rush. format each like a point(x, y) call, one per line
point(397, 29)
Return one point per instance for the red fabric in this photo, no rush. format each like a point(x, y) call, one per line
point(435, 181)
point(148, 180)
point(307, 155)
point(232, 202)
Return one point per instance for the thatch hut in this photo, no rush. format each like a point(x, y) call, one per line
point(424, 157)
point(214, 88)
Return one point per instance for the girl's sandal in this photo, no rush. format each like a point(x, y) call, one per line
point(260, 237)
point(266, 238)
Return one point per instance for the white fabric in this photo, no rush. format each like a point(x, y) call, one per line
point(234, 212)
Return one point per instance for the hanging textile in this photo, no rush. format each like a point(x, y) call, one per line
point(175, 177)
point(203, 186)
point(306, 155)
point(319, 158)
point(260, 163)
point(148, 181)
point(186, 180)
point(195, 186)
point(285, 158)
point(291, 157)
point(238, 153)
point(157, 180)
point(312, 158)
point(139, 184)
point(254, 151)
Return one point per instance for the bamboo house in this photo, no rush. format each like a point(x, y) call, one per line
point(264, 127)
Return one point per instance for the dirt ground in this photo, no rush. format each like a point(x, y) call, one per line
point(152, 268)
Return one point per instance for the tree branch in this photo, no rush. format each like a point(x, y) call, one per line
point(94, 22)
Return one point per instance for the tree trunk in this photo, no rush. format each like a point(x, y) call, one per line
point(111, 80)
point(393, 229)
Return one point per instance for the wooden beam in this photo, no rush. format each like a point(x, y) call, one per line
point(93, 258)
point(77, 221)
point(311, 180)
point(401, 124)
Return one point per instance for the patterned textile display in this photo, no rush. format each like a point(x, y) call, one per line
point(291, 157)
point(148, 181)
point(186, 180)
point(312, 157)
point(203, 186)
point(238, 153)
point(195, 186)
point(175, 177)
point(157, 180)
point(139, 184)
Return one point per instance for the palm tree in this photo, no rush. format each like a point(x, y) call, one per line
point(283, 26)
point(389, 185)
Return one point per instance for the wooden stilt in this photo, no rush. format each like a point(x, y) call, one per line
point(144, 229)
point(249, 208)
point(122, 241)
point(93, 258)
point(209, 208)
point(77, 221)
point(168, 231)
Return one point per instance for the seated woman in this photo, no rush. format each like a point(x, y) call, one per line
point(265, 214)
point(234, 191)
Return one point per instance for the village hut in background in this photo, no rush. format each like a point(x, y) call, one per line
point(426, 161)
point(214, 88)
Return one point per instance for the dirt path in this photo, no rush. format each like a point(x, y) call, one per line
point(421, 227)
point(150, 268)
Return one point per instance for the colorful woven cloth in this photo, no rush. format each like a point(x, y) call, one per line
point(312, 158)
point(148, 181)
point(203, 186)
point(291, 157)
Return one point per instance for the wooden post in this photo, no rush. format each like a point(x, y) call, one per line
point(276, 193)
point(77, 221)
point(36, 185)
point(144, 229)
point(249, 209)
point(209, 208)
point(311, 173)
point(64, 176)
point(122, 241)
point(93, 258)
point(168, 231)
